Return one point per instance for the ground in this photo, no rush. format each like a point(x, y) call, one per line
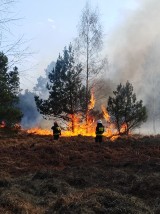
point(77, 175)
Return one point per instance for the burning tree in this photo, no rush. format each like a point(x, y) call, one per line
point(89, 45)
point(9, 85)
point(66, 91)
point(125, 110)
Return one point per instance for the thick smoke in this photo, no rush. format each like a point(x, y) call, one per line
point(134, 55)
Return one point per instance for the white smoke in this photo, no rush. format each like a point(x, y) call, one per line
point(134, 55)
point(31, 116)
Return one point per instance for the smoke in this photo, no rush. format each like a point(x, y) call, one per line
point(133, 51)
point(31, 116)
point(27, 105)
point(134, 55)
point(40, 88)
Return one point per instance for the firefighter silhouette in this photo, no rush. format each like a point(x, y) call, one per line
point(56, 131)
point(99, 131)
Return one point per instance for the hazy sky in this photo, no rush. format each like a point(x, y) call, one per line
point(49, 25)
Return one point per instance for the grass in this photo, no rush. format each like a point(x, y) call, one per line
point(77, 175)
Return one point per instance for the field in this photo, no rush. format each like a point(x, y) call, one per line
point(76, 175)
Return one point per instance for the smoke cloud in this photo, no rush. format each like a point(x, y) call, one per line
point(133, 51)
point(134, 55)
point(31, 116)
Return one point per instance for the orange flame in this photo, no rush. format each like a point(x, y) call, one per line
point(92, 102)
point(39, 131)
point(77, 125)
point(2, 125)
point(105, 114)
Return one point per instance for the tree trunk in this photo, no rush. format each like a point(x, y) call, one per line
point(73, 124)
point(87, 84)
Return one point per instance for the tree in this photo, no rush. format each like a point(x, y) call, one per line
point(9, 85)
point(89, 45)
point(125, 110)
point(66, 91)
point(14, 47)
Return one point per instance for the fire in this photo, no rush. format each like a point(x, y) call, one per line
point(77, 125)
point(80, 127)
point(39, 131)
point(105, 114)
point(110, 129)
point(92, 102)
point(2, 125)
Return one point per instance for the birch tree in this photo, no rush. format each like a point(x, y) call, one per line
point(89, 44)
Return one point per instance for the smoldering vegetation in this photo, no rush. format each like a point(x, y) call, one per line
point(76, 175)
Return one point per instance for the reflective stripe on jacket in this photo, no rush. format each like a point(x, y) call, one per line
point(99, 130)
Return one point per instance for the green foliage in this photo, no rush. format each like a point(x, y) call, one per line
point(125, 109)
point(9, 85)
point(66, 91)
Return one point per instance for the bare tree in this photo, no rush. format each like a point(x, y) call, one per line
point(16, 49)
point(89, 44)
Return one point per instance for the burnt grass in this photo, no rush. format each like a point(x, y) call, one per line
point(76, 175)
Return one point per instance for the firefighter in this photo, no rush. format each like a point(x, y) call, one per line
point(56, 131)
point(99, 131)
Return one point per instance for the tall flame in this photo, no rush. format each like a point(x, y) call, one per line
point(77, 125)
point(105, 114)
point(92, 102)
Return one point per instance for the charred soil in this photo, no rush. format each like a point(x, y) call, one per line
point(77, 175)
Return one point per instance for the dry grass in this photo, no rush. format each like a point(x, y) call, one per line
point(76, 175)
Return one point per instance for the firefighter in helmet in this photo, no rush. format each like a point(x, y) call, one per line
point(99, 131)
point(56, 131)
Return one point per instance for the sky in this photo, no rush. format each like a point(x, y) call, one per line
point(47, 26)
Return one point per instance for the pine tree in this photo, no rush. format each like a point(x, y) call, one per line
point(9, 85)
point(125, 109)
point(66, 91)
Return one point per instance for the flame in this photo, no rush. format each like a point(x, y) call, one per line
point(77, 125)
point(80, 127)
point(105, 114)
point(111, 131)
point(3, 124)
point(123, 128)
point(92, 102)
point(39, 131)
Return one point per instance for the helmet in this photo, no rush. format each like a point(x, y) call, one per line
point(99, 121)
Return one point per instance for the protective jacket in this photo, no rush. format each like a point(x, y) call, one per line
point(99, 129)
point(56, 130)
